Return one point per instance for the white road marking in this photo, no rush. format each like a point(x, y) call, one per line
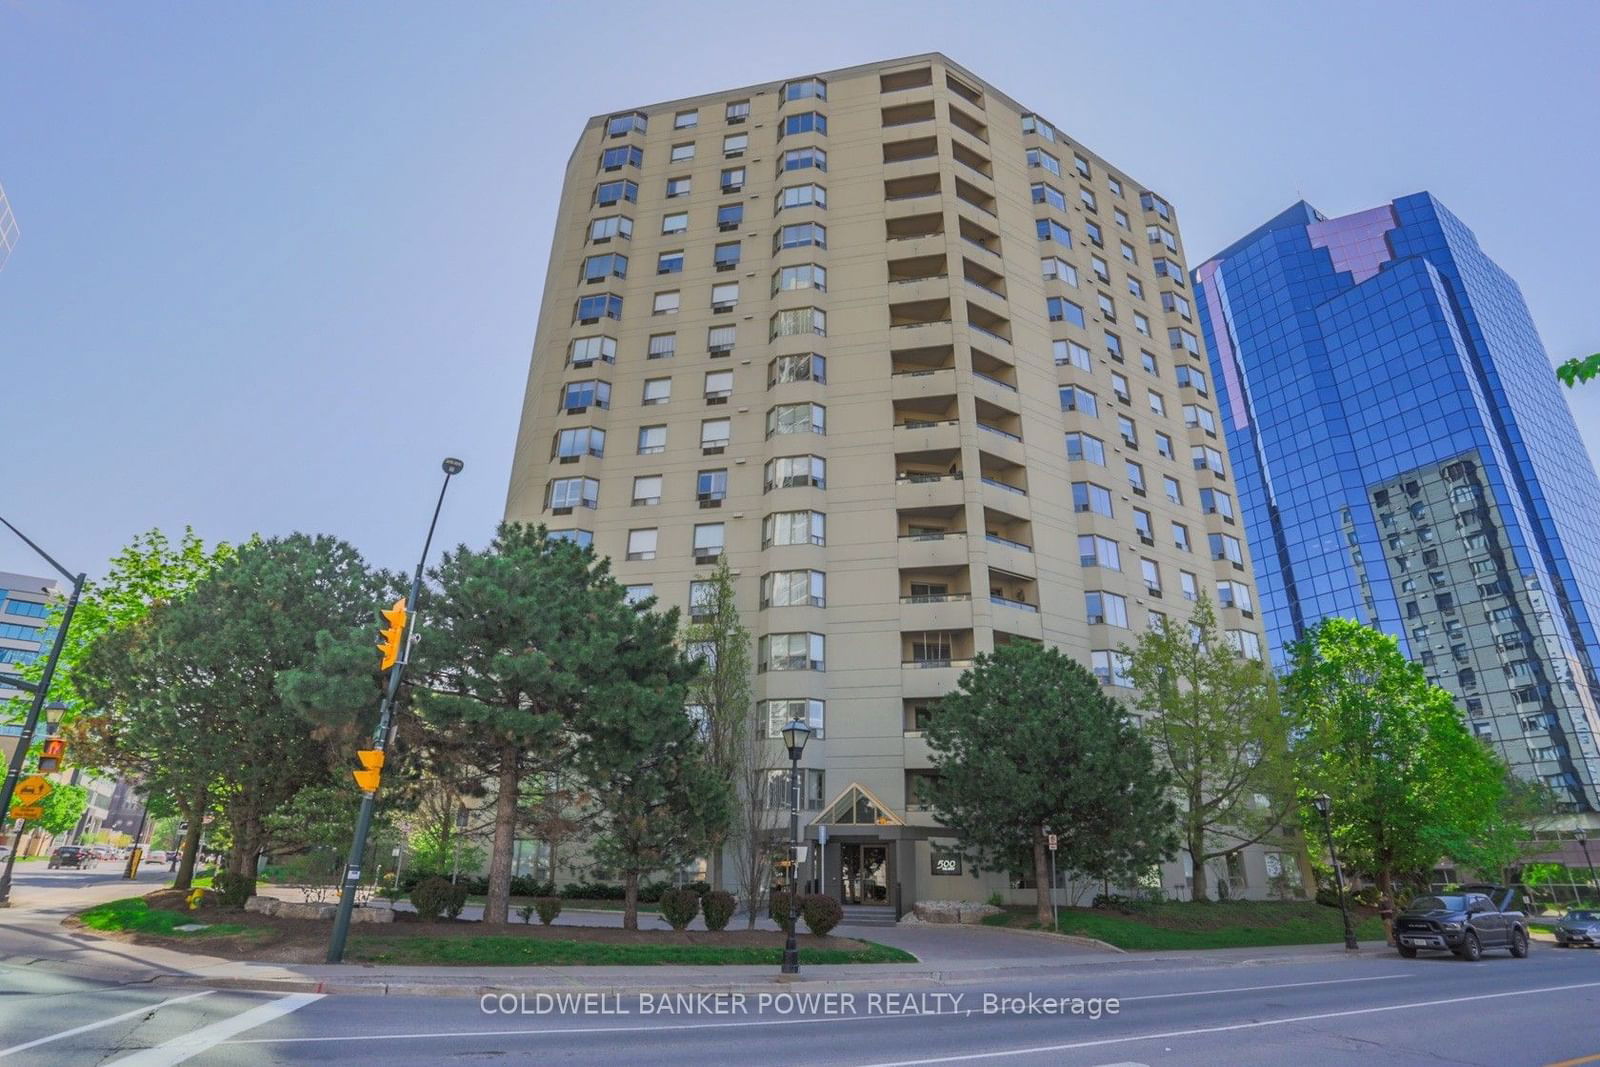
point(1034, 1051)
point(192, 1044)
point(750, 1022)
point(146, 1010)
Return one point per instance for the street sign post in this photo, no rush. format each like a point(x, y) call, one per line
point(1051, 841)
point(32, 789)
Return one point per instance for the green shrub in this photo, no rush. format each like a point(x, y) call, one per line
point(679, 907)
point(525, 913)
point(455, 901)
point(432, 896)
point(700, 889)
point(996, 900)
point(232, 889)
point(821, 913)
point(718, 908)
point(548, 908)
point(778, 909)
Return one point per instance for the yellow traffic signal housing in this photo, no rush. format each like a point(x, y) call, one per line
point(392, 634)
point(371, 769)
point(55, 750)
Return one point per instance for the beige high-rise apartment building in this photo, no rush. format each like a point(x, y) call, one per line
point(926, 370)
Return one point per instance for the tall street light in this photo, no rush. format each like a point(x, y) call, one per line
point(40, 689)
point(795, 736)
point(1324, 805)
point(380, 736)
point(1583, 840)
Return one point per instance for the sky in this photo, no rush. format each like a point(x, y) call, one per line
point(278, 260)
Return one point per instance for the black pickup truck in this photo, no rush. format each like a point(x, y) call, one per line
point(1476, 918)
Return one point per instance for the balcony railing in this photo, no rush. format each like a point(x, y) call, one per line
point(918, 479)
point(997, 430)
point(985, 288)
point(998, 484)
point(1007, 542)
point(913, 325)
point(982, 377)
point(1020, 605)
point(990, 333)
point(942, 535)
point(924, 424)
point(936, 598)
point(936, 663)
point(979, 244)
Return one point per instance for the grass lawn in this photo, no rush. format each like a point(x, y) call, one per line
point(1217, 924)
point(500, 951)
point(134, 915)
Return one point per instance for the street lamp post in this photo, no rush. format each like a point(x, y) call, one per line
point(1324, 805)
point(52, 716)
point(795, 736)
point(1583, 841)
point(380, 736)
point(41, 689)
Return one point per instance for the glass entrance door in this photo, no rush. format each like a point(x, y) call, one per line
point(864, 873)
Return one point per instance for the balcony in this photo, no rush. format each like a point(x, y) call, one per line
point(924, 488)
point(972, 196)
point(989, 323)
point(978, 237)
point(912, 189)
point(902, 80)
point(911, 227)
point(921, 435)
point(913, 114)
point(984, 280)
point(942, 548)
point(973, 161)
point(908, 151)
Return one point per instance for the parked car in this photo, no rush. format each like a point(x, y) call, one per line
point(72, 856)
point(1466, 923)
point(1579, 926)
point(104, 852)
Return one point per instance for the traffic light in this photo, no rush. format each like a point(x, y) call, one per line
point(55, 750)
point(393, 633)
point(371, 769)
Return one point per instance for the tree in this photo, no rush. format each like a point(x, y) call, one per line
point(1029, 744)
point(510, 648)
point(1409, 783)
point(720, 693)
point(1574, 371)
point(660, 801)
point(1217, 727)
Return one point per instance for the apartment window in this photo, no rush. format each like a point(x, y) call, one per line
point(780, 713)
point(1107, 609)
point(1128, 431)
point(790, 652)
point(586, 350)
point(1135, 477)
point(804, 122)
point(646, 491)
point(1188, 585)
point(804, 276)
point(579, 396)
point(564, 494)
point(803, 367)
point(799, 235)
point(1216, 502)
point(1048, 194)
point(666, 303)
point(732, 179)
point(1150, 570)
point(737, 111)
point(620, 125)
point(572, 445)
point(711, 486)
point(1063, 310)
point(789, 589)
point(608, 193)
point(1071, 353)
point(790, 472)
point(1051, 230)
point(669, 262)
point(591, 309)
point(662, 346)
point(1087, 496)
point(1190, 378)
point(1180, 537)
point(1111, 668)
point(729, 216)
point(805, 88)
point(1162, 235)
point(635, 595)
point(1054, 267)
point(793, 528)
point(1194, 415)
point(1226, 546)
point(1158, 404)
point(581, 538)
point(1095, 551)
point(708, 541)
point(803, 158)
point(1081, 165)
point(1108, 307)
point(1152, 202)
point(652, 440)
point(1245, 643)
point(724, 297)
point(620, 157)
point(1135, 288)
point(720, 339)
point(1075, 399)
point(726, 255)
point(808, 195)
point(714, 434)
point(1091, 230)
point(605, 228)
point(1038, 157)
point(799, 321)
point(682, 152)
point(1166, 268)
point(641, 544)
point(1102, 271)
point(719, 386)
point(1119, 386)
point(734, 145)
point(677, 222)
point(1142, 527)
point(1164, 445)
point(681, 186)
point(1206, 458)
point(1173, 490)
point(686, 120)
point(1234, 595)
point(1148, 362)
point(796, 418)
point(1086, 447)
point(1174, 302)
point(1121, 218)
point(1035, 124)
point(1141, 323)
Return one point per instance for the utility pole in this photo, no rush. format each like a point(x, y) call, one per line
point(396, 645)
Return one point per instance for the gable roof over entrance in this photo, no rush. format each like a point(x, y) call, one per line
point(857, 806)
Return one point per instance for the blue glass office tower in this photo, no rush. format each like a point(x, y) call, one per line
point(1404, 457)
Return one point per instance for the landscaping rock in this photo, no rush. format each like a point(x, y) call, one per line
point(952, 912)
point(372, 915)
point(288, 909)
point(263, 905)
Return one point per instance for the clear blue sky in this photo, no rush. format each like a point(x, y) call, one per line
point(278, 259)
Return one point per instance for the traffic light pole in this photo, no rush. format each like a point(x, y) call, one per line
point(380, 739)
point(41, 690)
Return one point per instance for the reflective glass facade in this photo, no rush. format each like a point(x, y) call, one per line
point(1404, 456)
